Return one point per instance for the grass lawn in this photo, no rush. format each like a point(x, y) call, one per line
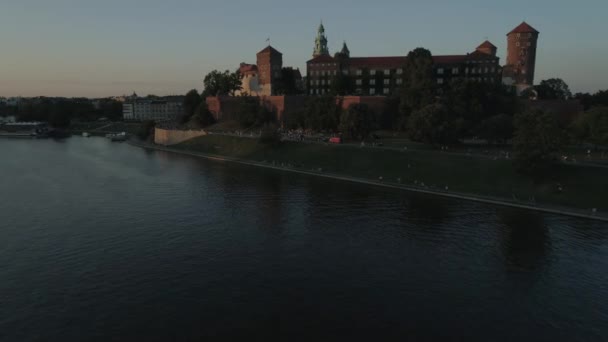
point(583, 187)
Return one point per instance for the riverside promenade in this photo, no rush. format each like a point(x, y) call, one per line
point(600, 216)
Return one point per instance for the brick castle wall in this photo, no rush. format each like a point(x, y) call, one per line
point(225, 107)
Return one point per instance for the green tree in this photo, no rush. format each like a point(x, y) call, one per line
point(476, 102)
point(202, 117)
point(537, 141)
point(433, 124)
point(288, 84)
point(390, 113)
point(322, 113)
point(250, 113)
point(418, 88)
point(58, 118)
point(221, 83)
point(553, 89)
point(357, 121)
point(192, 101)
point(270, 134)
point(146, 129)
point(342, 85)
point(592, 126)
point(498, 128)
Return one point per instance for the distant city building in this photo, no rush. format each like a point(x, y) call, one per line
point(384, 75)
point(156, 109)
point(13, 101)
point(7, 119)
point(521, 57)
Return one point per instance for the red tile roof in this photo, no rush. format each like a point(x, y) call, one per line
point(523, 28)
point(399, 61)
point(270, 49)
point(480, 55)
point(486, 45)
point(322, 59)
point(449, 59)
point(248, 68)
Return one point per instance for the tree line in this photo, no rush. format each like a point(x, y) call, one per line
point(60, 112)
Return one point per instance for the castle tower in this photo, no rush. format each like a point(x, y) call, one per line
point(269, 63)
point(521, 55)
point(320, 43)
point(345, 51)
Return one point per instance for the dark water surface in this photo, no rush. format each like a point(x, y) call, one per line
point(108, 242)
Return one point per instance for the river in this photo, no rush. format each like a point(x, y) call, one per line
point(104, 241)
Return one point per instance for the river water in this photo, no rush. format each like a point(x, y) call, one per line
point(104, 241)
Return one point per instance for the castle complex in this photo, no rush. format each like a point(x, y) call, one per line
point(372, 76)
point(384, 75)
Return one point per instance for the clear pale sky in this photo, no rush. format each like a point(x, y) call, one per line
point(114, 47)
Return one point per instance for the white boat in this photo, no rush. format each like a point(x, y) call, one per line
point(86, 134)
point(118, 136)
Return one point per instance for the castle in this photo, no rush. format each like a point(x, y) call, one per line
point(384, 75)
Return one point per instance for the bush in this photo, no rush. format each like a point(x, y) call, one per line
point(537, 141)
point(251, 113)
point(270, 134)
point(146, 129)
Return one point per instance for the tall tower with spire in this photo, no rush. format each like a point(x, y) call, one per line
point(320, 43)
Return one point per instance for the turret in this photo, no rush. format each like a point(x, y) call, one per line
point(320, 43)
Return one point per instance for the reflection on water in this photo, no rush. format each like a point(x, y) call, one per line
point(427, 209)
point(165, 247)
point(525, 239)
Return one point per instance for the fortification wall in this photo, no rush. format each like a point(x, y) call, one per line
point(168, 137)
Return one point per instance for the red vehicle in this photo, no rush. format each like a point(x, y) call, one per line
point(335, 140)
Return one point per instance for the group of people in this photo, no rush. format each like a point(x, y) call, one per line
point(302, 135)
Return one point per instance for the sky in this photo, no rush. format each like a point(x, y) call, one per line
point(104, 48)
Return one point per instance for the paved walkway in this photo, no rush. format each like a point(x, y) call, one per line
point(454, 195)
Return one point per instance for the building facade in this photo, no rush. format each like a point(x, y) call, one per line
point(164, 109)
point(521, 57)
point(372, 76)
point(261, 79)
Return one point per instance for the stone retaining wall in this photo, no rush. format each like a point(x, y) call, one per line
point(168, 137)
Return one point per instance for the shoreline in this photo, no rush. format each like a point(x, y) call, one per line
point(389, 185)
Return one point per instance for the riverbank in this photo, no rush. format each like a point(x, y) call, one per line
point(415, 176)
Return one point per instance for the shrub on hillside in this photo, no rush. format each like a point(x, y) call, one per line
point(146, 129)
point(270, 134)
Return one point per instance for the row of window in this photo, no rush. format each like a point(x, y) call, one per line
point(323, 73)
point(372, 91)
point(481, 70)
point(519, 44)
point(324, 65)
point(399, 81)
point(387, 72)
point(320, 82)
point(373, 72)
point(373, 81)
point(454, 71)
